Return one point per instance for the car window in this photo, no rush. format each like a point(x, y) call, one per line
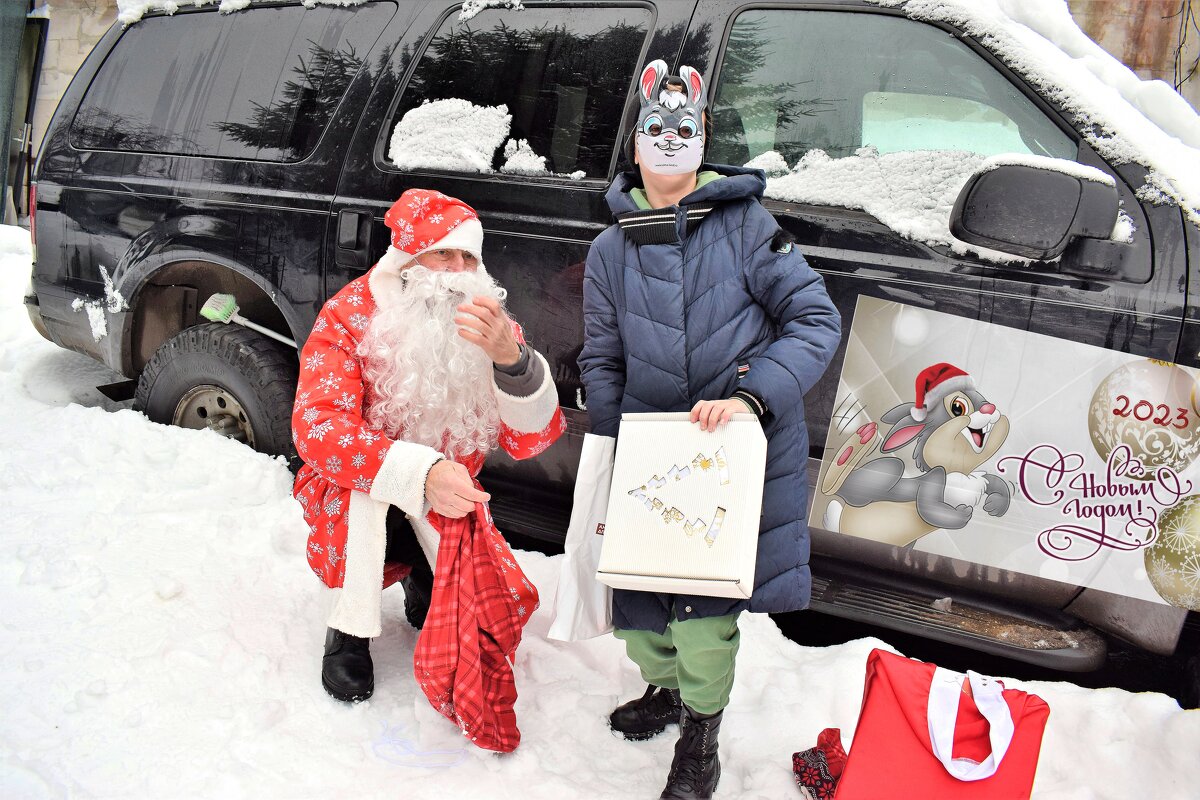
point(261, 84)
point(540, 92)
point(793, 81)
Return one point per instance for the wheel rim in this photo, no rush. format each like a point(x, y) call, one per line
point(213, 408)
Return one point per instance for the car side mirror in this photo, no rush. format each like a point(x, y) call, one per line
point(1034, 211)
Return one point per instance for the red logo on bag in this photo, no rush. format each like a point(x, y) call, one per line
point(600, 529)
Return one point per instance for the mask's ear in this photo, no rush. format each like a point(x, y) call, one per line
point(694, 84)
point(651, 77)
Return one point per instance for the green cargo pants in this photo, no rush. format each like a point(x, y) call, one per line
point(695, 656)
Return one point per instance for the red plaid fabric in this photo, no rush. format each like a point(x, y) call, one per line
point(481, 602)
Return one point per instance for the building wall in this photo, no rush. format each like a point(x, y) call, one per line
point(1144, 35)
point(75, 27)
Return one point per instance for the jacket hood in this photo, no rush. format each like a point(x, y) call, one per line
point(737, 183)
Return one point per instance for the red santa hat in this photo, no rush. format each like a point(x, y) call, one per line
point(934, 383)
point(423, 220)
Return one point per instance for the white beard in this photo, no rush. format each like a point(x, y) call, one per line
point(426, 384)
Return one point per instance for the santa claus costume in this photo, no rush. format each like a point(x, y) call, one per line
point(386, 391)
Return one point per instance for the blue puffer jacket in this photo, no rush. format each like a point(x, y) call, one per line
point(667, 325)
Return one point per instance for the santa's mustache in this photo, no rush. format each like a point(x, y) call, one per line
point(432, 284)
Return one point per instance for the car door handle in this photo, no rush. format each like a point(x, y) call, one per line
point(354, 238)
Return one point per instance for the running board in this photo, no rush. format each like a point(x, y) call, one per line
point(118, 392)
point(1056, 643)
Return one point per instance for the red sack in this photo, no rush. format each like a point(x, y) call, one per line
point(941, 736)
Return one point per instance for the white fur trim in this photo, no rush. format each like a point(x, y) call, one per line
point(532, 413)
point(401, 478)
point(357, 605)
point(959, 383)
point(428, 537)
point(918, 414)
point(467, 235)
point(384, 279)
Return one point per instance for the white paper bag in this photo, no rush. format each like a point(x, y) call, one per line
point(685, 506)
point(583, 605)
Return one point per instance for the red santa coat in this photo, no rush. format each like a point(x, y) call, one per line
point(352, 472)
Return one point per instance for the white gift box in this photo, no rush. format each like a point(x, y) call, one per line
point(685, 505)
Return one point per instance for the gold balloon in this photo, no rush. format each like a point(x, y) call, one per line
point(1173, 561)
point(1150, 406)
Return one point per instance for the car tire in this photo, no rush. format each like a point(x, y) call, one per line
point(225, 378)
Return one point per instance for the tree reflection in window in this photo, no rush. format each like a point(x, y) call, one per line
point(293, 125)
point(564, 82)
point(260, 85)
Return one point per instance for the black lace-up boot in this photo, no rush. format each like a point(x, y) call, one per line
point(696, 767)
point(647, 716)
point(346, 671)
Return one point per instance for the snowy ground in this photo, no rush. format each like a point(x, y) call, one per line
point(161, 637)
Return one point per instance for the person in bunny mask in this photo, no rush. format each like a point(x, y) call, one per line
point(696, 301)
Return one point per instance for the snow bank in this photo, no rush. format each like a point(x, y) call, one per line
point(1144, 122)
point(162, 637)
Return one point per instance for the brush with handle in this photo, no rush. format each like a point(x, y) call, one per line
point(224, 308)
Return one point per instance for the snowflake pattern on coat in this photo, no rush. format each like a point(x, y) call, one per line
point(341, 452)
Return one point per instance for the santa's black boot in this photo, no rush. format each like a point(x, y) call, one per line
point(648, 715)
point(696, 767)
point(346, 670)
point(418, 592)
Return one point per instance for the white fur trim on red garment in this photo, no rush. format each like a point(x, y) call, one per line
point(401, 478)
point(534, 412)
point(467, 235)
point(384, 279)
point(357, 605)
point(959, 383)
point(400, 482)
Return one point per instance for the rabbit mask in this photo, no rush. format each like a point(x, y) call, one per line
point(670, 130)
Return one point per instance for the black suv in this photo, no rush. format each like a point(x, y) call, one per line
point(251, 154)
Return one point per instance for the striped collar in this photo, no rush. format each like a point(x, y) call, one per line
point(658, 225)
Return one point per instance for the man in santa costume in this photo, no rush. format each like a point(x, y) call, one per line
point(411, 375)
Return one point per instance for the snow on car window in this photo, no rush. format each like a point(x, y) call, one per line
point(520, 159)
point(912, 192)
point(458, 136)
point(454, 135)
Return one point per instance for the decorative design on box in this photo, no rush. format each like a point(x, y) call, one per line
point(696, 526)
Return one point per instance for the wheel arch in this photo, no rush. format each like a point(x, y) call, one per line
point(167, 291)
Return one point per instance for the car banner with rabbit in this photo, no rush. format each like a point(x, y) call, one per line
point(1016, 450)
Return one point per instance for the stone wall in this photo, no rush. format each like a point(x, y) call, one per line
point(75, 27)
point(1144, 35)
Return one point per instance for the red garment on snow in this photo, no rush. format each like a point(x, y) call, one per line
point(481, 602)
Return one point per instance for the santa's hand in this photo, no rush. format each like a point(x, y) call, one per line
point(450, 490)
point(711, 413)
point(484, 324)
